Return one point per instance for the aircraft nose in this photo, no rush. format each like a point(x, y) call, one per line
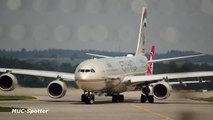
point(83, 76)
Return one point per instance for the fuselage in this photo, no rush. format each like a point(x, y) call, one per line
point(106, 74)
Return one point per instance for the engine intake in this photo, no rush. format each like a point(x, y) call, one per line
point(8, 82)
point(162, 90)
point(57, 89)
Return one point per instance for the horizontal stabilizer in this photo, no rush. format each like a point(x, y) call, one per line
point(97, 55)
point(174, 58)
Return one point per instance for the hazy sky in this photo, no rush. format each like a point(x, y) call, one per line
point(110, 25)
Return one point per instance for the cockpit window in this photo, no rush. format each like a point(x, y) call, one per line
point(86, 70)
point(92, 70)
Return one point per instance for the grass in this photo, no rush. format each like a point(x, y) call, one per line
point(9, 109)
point(207, 99)
point(16, 97)
point(210, 99)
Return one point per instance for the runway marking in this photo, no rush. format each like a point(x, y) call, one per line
point(152, 112)
point(36, 97)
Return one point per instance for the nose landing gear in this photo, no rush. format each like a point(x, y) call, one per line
point(88, 97)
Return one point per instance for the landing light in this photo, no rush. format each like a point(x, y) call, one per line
point(129, 55)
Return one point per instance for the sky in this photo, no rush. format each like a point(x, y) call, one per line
point(109, 25)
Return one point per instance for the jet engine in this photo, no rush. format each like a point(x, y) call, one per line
point(161, 90)
point(8, 82)
point(57, 89)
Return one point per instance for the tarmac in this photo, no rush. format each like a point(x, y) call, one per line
point(176, 107)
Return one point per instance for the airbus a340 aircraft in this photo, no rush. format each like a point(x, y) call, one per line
point(111, 75)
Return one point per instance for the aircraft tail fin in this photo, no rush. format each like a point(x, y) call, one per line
point(151, 57)
point(141, 37)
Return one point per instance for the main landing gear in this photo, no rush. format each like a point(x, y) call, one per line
point(144, 98)
point(146, 95)
point(88, 97)
point(117, 98)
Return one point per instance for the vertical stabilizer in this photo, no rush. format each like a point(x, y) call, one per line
point(151, 57)
point(141, 37)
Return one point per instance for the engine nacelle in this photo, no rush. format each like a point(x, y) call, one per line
point(8, 82)
point(57, 89)
point(161, 90)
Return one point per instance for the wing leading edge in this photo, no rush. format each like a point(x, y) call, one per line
point(40, 73)
point(168, 76)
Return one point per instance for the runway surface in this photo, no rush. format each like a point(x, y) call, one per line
point(70, 107)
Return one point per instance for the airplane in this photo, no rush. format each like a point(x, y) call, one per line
point(112, 75)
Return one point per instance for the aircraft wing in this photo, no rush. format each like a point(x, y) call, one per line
point(40, 73)
point(168, 76)
point(189, 82)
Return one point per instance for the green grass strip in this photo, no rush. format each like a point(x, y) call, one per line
point(207, 99)
point(9, 109)
point(16, 97)
point(210, 99)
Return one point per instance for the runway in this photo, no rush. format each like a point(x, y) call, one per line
point(70, 107)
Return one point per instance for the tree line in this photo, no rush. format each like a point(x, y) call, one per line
point(73, 54)
point(31, 81)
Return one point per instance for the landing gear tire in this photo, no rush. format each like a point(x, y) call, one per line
point(121, 98)
point(89, 99)
point(117, 98)
point(151, 99)
point(143, 98)
point(83, 97)
point(114, 98)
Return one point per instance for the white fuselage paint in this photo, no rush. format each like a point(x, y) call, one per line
point(109, 72)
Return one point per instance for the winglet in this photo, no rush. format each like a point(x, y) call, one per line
point(151, 57)
point(141, 37)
